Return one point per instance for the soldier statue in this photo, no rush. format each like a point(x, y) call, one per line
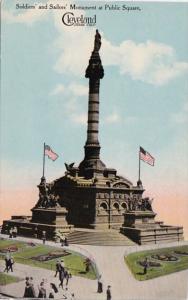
point(46, 197)
point(97, 42)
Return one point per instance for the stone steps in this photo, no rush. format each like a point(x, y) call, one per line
point(99, 238)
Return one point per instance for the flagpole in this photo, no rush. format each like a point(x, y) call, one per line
point(43, 161)
point(139, 167)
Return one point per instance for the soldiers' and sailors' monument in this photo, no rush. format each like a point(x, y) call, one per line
point(91, 201)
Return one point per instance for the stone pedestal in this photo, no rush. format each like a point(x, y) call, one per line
point(53, 216)
point(139, 219)
point(141, 227)
point(52, 221)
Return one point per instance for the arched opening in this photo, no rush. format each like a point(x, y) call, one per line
point(124, 206)
point(103, 205)
point(116, 205)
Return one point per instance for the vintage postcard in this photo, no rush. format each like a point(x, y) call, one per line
point(94, 121)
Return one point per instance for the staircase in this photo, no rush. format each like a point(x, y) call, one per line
point(107, 237)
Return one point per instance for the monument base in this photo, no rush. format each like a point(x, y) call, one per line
point(52, 221)
point(141, 228)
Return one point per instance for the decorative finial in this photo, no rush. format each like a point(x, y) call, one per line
point(97, 42)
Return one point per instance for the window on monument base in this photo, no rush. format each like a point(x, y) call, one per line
point(124, 206)
point(116, 210)
point(116, 206)
point(103, 206)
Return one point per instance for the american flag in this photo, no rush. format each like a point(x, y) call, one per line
point(50, 153)
point(145, 156)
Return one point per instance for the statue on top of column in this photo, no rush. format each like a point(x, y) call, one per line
point(97, 42)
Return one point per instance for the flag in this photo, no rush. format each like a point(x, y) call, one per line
point(145, 156)
point(51, 154)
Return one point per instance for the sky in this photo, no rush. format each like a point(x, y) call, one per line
point(143, 98)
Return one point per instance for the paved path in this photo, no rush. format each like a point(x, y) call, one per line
point(110, 263)
point(124, 286)
point(81, 287)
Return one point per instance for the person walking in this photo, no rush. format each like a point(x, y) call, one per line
point(67, 276)
point(10, 263)
point(146, 266)
point(100, 285)
point(51, 293)
point(14, 231)
point(66, 243)
point(42, 290)
point(108, 293)
point(29, 288)
point(87, 263)
point(58, 267)
point(7, 261)
point(32, 289)
point(44, 237)
point(61, 277)
point(10, 233)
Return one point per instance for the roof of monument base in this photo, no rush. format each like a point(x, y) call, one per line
point(118, 182)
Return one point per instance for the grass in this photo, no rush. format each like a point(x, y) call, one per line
point(7, 279)
point(165, 268)
point(74, 261)
point(7, 243)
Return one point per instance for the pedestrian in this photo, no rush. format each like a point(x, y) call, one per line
point(10, 263)
point(146, 266)
point(87, 265)
point(32, 289)
point(108, 293)
point(29, 288)
point(42, 290)
point(51, 294)
point(10, 233)
point(61, 277)
point(58, 267)
point(44, 237)
point(66, 242)
point(67, 276)
point(62, 240)
point(100, 285)
point(7, 261)
point(14, 231)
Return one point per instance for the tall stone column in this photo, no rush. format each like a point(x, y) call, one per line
point(92, 164)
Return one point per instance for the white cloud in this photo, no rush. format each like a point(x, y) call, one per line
point(73, 89)
point(28, 17)
point(75, 112)
point(181, 117)
point(79, 119)
point(78, 89)
point(150, 62)
point(59, 89)
point(112, 118)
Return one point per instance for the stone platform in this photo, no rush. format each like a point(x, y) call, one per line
point(52, 221)
point(141, 228)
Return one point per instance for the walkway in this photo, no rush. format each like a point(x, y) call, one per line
point(110, 262)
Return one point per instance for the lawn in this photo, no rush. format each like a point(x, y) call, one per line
point(166, 267)
point(6, 279)
point(27, 254)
